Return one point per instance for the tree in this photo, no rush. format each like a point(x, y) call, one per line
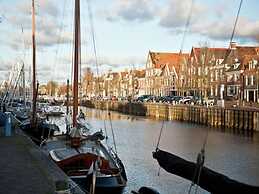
point(51, 88)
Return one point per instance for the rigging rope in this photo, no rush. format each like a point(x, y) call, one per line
point(115, 147)
point(60, 38)
point(160, 134)
point(158, 141)
point(187, 25)
point(233, 32)
point(236, 20)
point(93, 33)
point(91, 23)
point(24, 43)
point(105, 129)
point(90, 15)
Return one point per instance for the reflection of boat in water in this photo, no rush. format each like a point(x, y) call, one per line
point(76, 162)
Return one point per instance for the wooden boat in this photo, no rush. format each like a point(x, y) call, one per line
point(54, 111)
point(36, 127)
point(76, 161)
point(84, 158)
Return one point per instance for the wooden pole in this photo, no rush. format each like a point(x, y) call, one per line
point(33, 67)
point(76, 60)
point(67, 96)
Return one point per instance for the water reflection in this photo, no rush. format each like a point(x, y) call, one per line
point(232, 153)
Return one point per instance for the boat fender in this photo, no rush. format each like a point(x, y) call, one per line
point(146, 190)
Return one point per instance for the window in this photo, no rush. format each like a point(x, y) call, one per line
point(250, 65)
point(231, 91)
point(212, 76)
point(206, 70)
point(235, 77)
point(252, 80)
point(199, 71)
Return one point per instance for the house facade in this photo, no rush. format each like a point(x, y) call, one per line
point(162, 73)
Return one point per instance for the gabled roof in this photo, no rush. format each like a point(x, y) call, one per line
point(239, 52)
point(218, 53)
point(123, 74)
point(140, 73)
point(160, 59)
point(247, 50)
point(247, 58)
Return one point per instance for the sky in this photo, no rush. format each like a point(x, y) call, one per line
point(124, 32)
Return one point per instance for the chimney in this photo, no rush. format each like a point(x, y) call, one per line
point(233, 45)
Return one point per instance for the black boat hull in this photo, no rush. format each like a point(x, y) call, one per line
point(38, 133)
point(103, 184)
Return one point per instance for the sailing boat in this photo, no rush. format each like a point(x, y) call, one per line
point(93, 166)
point(37, 128)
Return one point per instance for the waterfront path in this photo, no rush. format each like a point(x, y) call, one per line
point(24, 168)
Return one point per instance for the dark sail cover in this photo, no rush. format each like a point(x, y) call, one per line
point(210, 180)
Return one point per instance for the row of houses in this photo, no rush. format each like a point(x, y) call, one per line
point(227, 74)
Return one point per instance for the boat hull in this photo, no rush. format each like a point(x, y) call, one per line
point(79, 163)
point(103, 184)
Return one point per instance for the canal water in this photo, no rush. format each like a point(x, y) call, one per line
point(233, 154)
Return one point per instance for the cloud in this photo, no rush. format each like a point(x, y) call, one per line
point(132, 10)
point(5, 66)
point(213, 22)
point(42, 7)
point(175, 15)
point(49, 29)
point(245, 30)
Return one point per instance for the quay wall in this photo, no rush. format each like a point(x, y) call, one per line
point(246, 120)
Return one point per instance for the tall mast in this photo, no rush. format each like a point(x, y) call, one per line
point(33, 66)
point(23, 86)
point(76, 60)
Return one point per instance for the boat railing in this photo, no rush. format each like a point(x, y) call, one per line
point(104, 172)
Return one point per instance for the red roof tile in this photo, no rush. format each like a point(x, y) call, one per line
point(159, 59)
point(218, 53)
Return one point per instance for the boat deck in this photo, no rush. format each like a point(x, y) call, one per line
point(62, 149)
point(24, 168)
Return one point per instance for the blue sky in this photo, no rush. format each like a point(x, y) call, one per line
point(125, 30)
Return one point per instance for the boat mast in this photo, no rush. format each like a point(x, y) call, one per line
point(76, 60)
point(23, 86)
point(33, 67)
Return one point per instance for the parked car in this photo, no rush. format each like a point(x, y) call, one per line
point(196, 100)
point(176, 99)
point(186, 100)
point(167, 99)
point(210, 101)
point(142, 98)
point(150, 99)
